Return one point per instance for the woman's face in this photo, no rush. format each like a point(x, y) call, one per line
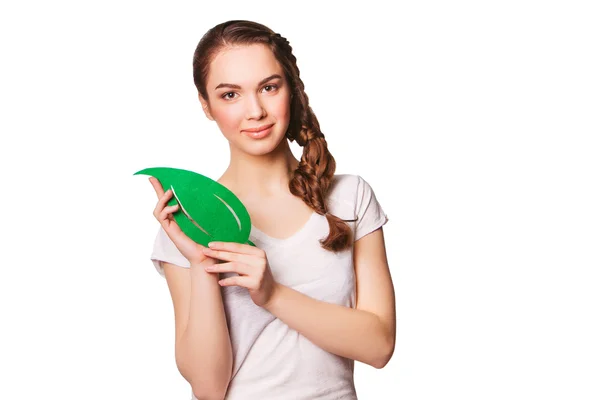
point(247, 89)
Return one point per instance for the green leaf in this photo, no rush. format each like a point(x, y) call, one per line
point(208, 211)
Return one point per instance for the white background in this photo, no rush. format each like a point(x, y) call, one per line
point(476, 123)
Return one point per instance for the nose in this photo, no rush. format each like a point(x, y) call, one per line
point(255, 108)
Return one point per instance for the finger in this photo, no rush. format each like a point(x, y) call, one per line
point(238, 268)
point(157, 186)
point(165, 213)
point(234, 247)
point(162, 202)
point(242, 281)
point(227, 256)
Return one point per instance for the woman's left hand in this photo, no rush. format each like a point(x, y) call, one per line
point(252, 266)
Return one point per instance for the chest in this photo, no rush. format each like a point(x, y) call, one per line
point(301, 263)
point(279, 218)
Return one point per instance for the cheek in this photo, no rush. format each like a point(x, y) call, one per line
point(282, 110)
point(228, 118)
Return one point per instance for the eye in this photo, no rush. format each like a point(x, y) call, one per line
point(226, 96)
point(275, 87)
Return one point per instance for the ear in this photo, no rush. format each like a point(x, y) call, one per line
point(205, 107)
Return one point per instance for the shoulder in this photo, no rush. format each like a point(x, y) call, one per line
point(344, 192)
point(343, 187)
point(352, 198)
point(347, 187)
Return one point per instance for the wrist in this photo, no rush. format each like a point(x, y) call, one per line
point(272, 303)
point(202, 262)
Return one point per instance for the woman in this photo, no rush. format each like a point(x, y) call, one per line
point(285, 319)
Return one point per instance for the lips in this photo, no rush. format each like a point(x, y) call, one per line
point(260, 128)
point(258, 133)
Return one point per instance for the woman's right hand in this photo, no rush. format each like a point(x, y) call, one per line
point(188, 248)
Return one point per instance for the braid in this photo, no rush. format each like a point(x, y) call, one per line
point(312, 178)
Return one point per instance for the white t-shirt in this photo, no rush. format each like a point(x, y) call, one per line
point(271, 360)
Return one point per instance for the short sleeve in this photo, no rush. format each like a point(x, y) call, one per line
point(369, 213)
point(165, 250)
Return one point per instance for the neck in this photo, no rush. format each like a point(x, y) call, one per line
point(250, 176)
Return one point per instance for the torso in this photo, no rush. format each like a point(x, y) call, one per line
point(271, 360)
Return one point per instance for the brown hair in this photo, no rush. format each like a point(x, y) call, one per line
point(312, 178)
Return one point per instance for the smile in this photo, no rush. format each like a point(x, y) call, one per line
point(254, 134)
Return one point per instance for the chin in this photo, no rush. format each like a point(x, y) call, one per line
point(263, 147)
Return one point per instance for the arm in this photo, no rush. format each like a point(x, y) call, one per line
point(202, 345)
point(367, 333)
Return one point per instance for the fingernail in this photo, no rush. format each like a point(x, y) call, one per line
point(212, 244)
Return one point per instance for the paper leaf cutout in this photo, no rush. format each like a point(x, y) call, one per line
point(208, 211)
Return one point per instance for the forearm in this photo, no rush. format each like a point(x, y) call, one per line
point(205, 351)
point(347, 332)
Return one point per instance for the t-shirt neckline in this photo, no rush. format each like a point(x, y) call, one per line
point(257, 233)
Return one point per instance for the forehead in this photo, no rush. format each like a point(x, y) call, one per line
point(242, 65)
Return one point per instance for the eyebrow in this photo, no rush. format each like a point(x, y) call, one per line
point(233, 86)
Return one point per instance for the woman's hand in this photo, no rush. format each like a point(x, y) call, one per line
point(190, 249)
point(252, 266)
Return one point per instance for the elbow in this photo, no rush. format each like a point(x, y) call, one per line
point(208, 387)
point(381, 362)
point(212, 386)
point(208, 382)
point(385, 354)
point(204, 395)
point(214, 389)
point(209, 390)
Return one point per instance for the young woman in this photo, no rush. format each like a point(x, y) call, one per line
point(285, 319)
